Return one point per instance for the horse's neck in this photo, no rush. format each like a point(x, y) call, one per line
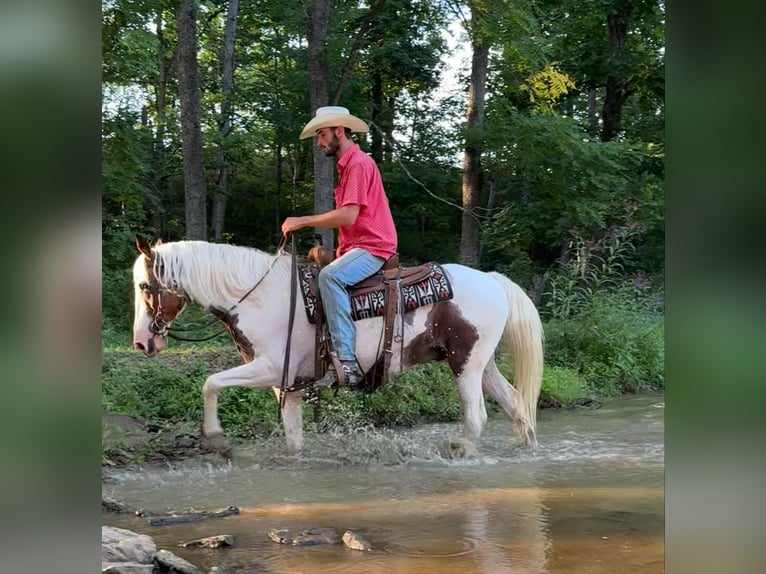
point(215, 275)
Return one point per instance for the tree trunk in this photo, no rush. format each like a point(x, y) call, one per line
point(191, 134)
point(318, 16)
point(224, 121)
point(376, 149)
point(469, 236)
point(615, 94)
point(158, 209)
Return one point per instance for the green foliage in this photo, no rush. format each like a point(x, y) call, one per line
point(563, 386)
point(616, 343)
point(547, 87)
point(425, 393)
point(590, 268)
point(604, 324)
point(167, 390)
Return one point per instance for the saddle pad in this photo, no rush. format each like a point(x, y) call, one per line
point(433, 288)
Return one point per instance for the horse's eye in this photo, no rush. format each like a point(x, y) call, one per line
point(144, 286)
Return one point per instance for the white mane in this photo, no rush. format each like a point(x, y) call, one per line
point(210, 272)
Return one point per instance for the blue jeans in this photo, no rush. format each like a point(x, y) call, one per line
point(349, 269)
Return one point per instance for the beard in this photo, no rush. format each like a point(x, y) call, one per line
point(332, 147)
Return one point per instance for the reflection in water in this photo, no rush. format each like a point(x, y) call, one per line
point(591, 500)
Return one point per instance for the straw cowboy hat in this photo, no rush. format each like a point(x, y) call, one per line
point(331, 116)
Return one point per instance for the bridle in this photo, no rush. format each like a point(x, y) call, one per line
point(158, 325)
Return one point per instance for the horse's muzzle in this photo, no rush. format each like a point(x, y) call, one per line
point(149, 348)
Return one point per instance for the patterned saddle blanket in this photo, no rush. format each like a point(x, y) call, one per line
point(421, 285)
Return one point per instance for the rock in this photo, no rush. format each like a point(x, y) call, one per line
point(126, 568)
point(280, 536)
point(308, 537)
point(112, 505)
point(219, 541)
point(587, 403)
point(168, 561)
point(120, 545)
point(193, 517)
point(356, 541)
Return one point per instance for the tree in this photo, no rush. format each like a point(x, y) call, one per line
point(189, 96)
point(477, 90)
point(614, 50)
point(318, 16)
point(224, 120)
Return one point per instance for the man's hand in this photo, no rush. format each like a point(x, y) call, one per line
point(291, 224)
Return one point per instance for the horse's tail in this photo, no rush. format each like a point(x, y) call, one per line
point(524, 336)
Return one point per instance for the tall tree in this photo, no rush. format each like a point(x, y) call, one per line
point(224, 120)
point(318, 17)
point(188, 91)
point(480, 44)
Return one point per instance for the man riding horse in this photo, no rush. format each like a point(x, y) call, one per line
point(366, 232)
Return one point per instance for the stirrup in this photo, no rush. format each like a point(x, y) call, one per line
point(351, 376)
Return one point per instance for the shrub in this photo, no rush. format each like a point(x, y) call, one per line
point(167, 390)
point(616, 346)
point(563, 386)
point(426, 393)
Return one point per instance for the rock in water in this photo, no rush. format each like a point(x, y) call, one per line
point(308, 537)
point(167, 561)
point(121, 545)
point(356, 541)
point(210, 542)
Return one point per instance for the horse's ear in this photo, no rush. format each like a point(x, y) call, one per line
point(143, 246)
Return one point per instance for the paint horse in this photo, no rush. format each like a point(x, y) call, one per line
point(249, 291)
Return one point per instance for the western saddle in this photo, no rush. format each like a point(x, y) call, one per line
point(390, 279)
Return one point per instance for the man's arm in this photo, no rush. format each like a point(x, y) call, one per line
point(340, 217)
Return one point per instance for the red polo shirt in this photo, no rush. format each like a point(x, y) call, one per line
point(359, 183)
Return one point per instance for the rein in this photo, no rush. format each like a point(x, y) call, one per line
point(293, 295)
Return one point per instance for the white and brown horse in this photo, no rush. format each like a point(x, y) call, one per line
point(464, 331)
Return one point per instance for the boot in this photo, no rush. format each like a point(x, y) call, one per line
point(353, 375)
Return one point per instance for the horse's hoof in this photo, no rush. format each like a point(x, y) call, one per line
point(218, 444)
point(528, 437)
point(458, 449)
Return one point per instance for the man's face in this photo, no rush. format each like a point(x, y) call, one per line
point(328, 141)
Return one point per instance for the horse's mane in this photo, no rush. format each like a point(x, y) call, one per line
point(207, 272)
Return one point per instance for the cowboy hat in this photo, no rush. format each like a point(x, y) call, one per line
point(331, 116)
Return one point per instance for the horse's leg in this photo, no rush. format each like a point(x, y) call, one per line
point(256, 374)
point(474, 412)
point(497, 386)
point(292, 420)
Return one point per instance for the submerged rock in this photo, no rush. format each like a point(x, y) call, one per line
point(126, 568)
point(356, 541)
point(219, 541)
point(110, 504)
point(307, 537)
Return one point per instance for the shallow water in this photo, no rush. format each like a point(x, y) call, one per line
point(589, 500)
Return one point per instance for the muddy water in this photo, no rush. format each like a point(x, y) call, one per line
point(589, 500)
